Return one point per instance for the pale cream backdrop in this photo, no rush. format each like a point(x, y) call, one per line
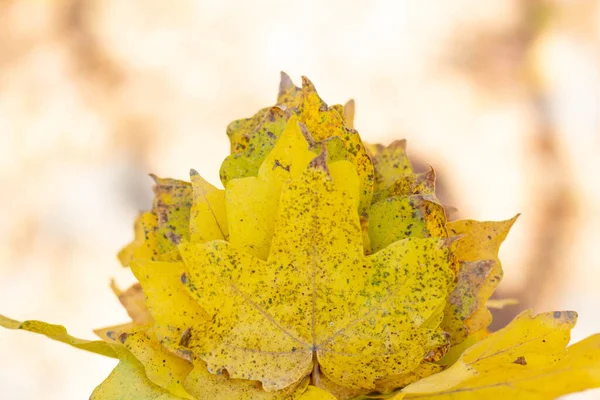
point(501, 97)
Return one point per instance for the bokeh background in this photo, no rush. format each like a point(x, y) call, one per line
point(500, 96)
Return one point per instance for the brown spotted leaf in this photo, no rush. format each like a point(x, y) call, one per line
point(318, 303)
point(481, 241)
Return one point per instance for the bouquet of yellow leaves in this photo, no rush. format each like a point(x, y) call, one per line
point(326, 269)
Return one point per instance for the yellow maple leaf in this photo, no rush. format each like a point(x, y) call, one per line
point(326, 269)
point(525, 360)
point(318, 302)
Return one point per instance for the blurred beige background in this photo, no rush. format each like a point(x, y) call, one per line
point(500, 96)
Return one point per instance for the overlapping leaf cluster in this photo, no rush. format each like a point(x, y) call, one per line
point(326, 268)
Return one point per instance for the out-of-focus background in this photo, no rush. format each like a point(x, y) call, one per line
point(500, 96)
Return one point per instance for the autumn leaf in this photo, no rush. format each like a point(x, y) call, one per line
point(318, 302)
point(134, 301)
point(251, 201)
point(390, 164)
point(481, 241)
point(325, 122)
point(526, 359)
point(255, 145)
point(204, 385)
point(128, 381)
point(59, 333)
point(252, 139)
point(325, 269)
point(208, 218)
point(158, 232)
point(399, 217)
point(173, 309)
point(162, 367)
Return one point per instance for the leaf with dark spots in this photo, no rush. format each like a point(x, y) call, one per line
point(259, 143)
point(328, 312)
point(481, 241)
point(396, 218)
point(464, 299)
point(390, 164)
